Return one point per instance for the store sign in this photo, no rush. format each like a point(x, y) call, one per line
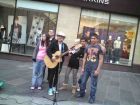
point(98, 1)
point(130, 7)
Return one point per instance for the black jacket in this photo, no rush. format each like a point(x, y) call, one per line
point(55, 47)
point(74, 59)
point(19, 30)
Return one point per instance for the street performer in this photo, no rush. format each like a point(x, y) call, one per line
point(57, 45)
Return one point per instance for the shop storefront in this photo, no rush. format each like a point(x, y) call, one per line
point(115, 21)
point(22, 25)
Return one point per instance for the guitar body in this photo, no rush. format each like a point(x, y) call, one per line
point(48, 61)
point(58, 57)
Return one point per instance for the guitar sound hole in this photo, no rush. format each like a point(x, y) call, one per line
point(57, 57)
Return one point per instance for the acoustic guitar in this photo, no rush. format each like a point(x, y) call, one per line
point(58, 57)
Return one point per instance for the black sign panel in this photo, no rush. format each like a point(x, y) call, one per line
point(131, 7)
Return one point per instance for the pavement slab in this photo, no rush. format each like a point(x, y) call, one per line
point(114, 87)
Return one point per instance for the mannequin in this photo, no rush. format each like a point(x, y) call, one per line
point(117, 49)
point(102, 42)
point(2, 32)
point(16, 31)
point(109, 47)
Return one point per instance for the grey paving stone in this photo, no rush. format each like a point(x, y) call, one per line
point(114, 83)
point(113, 94)
point(124, 75)
point(37, 100)
point(110, 102)
point(20, 99)
point(17, 81)
point(110, 84)
point(10, 102)
point(138, 102)
point(126, 96)
point(4, 96)
point(115, 74)
point(2, 102)
point(125, 84)
point(127, 103)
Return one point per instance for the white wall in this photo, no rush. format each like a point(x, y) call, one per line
point(68, 22)
point(137, 49)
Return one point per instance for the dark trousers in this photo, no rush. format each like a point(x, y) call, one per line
point(44, 68)
point(49, 70)
point(53, 76)
point(109, 54)
point(116, 54)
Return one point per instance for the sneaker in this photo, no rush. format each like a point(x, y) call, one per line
point(54, 90)
point(39, 88)
point(79, 95)
point(91, 101)
point(32, 87)
point(50, 92)
point(78, 89)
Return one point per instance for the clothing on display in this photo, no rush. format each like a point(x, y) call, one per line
point(117, 49)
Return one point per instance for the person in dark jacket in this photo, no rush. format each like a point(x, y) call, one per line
point(52, 39)
point(73, 66)
point(58, 45)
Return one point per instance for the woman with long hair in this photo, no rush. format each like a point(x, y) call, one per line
point(38, 62)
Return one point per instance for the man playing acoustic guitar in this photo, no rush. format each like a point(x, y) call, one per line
point(56, 46)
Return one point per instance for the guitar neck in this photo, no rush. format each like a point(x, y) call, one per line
point(65, 53)
point(76, 47)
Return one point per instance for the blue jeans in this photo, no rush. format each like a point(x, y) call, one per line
point(37, 77)
point(93, 85)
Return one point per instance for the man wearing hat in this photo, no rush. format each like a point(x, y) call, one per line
point(57, 45)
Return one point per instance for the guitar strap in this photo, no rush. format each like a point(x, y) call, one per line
point(62, 48)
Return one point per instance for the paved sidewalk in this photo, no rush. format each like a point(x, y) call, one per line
point(114, 87)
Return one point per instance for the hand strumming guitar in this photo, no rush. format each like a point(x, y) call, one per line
point(53, 59)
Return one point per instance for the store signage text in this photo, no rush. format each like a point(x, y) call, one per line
point(98, 1)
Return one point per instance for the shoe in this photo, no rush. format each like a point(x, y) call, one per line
point(74, 89)
point(39, 88)
point(64, 87)
point(32, 87)
point(78, 95)
point(78, 89)
point(91, 101)
point(50, 92)
point(54, 90)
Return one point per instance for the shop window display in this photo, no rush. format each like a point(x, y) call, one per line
point(6, 8)
point(29, 23)
point(121, 39)
point(93, 22)
point(118, 36)
point(38, 20)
